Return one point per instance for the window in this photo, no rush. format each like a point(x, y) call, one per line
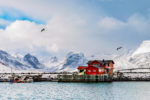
point(101, 70)
point(107, 64)
point(101, 66)
point(94, 70)
point(81, 71)
point(89, 70)
point(96, 65)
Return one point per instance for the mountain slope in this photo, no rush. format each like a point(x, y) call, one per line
point(143, 48)
point(4, 68)
point(9, 60)
point(70, 63)
point(29, 62)
point(140, 58)
point(73, 60)
point(33, 61)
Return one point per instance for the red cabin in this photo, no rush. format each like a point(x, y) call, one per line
point(97, 67)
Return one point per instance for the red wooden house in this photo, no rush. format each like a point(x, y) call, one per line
point(97, 67)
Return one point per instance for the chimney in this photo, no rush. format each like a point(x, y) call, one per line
point(103, 60)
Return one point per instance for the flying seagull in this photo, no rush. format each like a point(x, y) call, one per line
point(119, 48)
point(43, 29)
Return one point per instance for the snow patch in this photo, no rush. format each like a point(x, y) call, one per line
point(143, 48)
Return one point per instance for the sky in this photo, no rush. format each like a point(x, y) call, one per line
point(88, 26)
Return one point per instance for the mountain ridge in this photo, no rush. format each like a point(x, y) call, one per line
point(124, 60)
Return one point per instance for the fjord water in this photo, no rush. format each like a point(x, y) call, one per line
point(75, 91)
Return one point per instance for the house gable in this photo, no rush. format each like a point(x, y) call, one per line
point(101, 62)
point(95, 63)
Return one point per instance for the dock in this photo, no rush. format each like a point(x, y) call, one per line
point(84, 78)
point(74, 77)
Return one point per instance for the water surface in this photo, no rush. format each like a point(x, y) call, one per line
point(75, 91)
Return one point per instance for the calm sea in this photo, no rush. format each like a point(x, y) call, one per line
point(75, 91)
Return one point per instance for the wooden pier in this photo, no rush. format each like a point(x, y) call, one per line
point(84, 78)
point(120, 75)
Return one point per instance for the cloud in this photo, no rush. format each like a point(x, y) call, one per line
point(63, 33)
point(67, 33)
point(129, 33)
point(4, 23)
point(70, 26)
point(9, 15)
point(110, 23)
point(136, 22)
point(139, 23)
point(60, 32)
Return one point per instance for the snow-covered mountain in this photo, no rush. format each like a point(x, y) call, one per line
point(33, 61)
point(73, 60)
point(141, 56)
point(9, 60)
point(29, 62)
point(53, 59)
point(143, 48)
point(69, 63)
point(141, 60)
point(123, 60)
point(4, 68)
point(7, 69)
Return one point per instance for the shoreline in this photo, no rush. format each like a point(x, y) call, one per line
point(70, 77)
point(144, 80)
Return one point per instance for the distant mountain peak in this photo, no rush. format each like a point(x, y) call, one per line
point(3, 53)
point(74, 53)
point(143, 48)
point(32, 60)
point(73, 60)
point(53, 59)
point(27, 62)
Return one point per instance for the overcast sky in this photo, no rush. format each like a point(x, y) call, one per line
point(88, 26)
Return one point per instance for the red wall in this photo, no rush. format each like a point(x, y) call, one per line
point(91, 70)
point(102, 72)
point(111, 66)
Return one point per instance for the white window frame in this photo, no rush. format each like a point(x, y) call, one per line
point(101, 70)
point(94, 70)
point(89, 70)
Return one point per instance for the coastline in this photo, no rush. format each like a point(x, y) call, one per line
point(56, 77)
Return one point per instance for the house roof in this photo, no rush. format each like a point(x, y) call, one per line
point(82, 67)
point(101, 61)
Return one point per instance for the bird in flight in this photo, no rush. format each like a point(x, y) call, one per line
point(43, 29)
point(119, 48)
